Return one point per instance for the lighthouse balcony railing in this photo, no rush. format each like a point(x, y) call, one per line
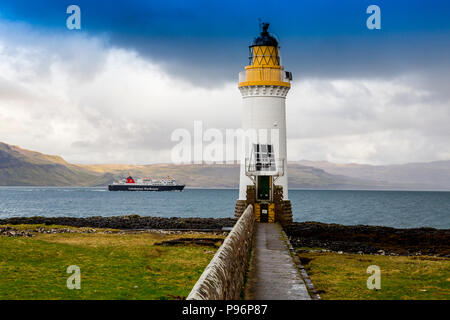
point(260, 168)
point(265, 74)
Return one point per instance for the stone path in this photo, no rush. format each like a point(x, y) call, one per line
point(272, 272)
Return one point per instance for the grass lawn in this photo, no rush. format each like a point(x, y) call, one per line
point(113, 266)
point(343, 276)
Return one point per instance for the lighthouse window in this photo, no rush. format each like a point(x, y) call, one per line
point(264, 157)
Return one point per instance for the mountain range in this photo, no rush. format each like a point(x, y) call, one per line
point(20, 167)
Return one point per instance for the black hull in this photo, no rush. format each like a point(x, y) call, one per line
point(119, 187)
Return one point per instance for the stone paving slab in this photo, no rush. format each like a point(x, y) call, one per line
point(272, 272)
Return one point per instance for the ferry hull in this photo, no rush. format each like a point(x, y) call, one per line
point(118, 187)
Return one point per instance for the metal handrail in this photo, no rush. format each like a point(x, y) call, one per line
point(252, 168)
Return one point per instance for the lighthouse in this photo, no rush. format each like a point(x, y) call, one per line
point(264, 85)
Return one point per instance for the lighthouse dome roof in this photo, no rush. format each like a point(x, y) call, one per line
point(265, 39)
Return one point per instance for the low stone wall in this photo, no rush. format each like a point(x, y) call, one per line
point(223, 278)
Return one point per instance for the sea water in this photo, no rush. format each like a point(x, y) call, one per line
point(401, 209)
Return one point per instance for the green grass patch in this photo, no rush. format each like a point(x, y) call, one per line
point(343, 276)
point(113, 266)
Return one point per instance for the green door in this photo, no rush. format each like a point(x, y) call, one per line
point(264, 187)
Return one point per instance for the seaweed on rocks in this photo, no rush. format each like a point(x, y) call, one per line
point(127, 222)
point(370, 239)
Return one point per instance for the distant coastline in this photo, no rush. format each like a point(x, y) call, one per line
point(236, 188)
point(20, 167)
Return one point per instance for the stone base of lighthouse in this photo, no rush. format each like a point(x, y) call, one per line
point(283, 208)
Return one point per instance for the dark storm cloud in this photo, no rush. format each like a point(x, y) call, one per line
point(116, 90)
point(206, 42)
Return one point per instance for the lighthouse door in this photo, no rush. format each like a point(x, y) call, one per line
point(264, 214)
point(263, 186)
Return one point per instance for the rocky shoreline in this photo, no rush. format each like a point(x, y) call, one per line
point(326, 237)
point(370, 239)
point(128, 222)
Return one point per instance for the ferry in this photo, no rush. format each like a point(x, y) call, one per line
point(146, 184)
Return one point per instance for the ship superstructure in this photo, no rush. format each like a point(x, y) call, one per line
point(146, 184)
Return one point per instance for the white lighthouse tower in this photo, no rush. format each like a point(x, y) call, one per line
point(264, 85)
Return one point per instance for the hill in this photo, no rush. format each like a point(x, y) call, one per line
point(20, 167)
point(424, 176)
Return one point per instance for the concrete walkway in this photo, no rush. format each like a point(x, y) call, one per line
point(272, 272)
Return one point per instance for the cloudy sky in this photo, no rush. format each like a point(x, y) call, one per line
point(114, 91)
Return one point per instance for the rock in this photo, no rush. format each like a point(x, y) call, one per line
point(370, 239)
point(12, 232)
point(128, 222)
